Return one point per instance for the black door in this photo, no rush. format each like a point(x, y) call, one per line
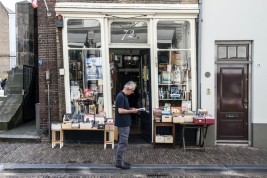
point(145, 83)
point(232, 92)
point(28, 104)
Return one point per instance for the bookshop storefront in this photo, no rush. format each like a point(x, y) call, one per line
point(106, 45)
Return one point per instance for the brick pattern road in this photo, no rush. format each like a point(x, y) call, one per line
point(43, 153)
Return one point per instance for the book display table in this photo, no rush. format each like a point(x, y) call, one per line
point(61, 136)
point(164, 124)
point(203, 131)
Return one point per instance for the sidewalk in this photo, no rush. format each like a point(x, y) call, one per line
point(41, 157)
point(79, 157)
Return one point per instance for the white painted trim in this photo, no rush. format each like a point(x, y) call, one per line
point(129, 10)
point(125, 6)
point(66, 66)
point(193, 64)
point(151, 13)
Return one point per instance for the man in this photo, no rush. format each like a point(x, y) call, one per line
point(123, 122)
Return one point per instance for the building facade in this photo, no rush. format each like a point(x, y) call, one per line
point(8, 39)
point(91, 49)
point(218, 68)
point(232, 52)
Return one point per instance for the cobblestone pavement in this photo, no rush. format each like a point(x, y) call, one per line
point(64, 175)
point(43, 153)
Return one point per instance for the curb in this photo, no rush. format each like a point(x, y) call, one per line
point(140, 168)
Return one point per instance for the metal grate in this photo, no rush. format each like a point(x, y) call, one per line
point(157, 175)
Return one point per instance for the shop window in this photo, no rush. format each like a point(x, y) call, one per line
point(173, 35)
point(85, 68)
point(129, 32)
point(174, 79)
point(84, 33)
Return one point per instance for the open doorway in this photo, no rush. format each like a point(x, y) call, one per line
point(133, 65)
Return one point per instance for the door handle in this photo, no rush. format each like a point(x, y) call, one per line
point(246, 105)
point(231, 116)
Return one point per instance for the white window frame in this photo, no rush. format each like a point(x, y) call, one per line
point(151, 13)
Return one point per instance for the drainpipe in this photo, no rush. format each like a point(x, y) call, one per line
point(47, 77)
point(199, 64)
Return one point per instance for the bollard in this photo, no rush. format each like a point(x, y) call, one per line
point(37, 117)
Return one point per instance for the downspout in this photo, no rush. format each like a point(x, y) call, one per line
point(199, 54)
point(47, 77)
point(199, 65)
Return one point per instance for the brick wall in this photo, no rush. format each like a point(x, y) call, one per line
point(4, 38)
point(136, 1)
point(47, 51)
point(50, 51)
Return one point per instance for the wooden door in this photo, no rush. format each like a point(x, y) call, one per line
point(232, 101)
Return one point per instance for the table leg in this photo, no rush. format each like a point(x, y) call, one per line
point(154, 136)
point(204, 134)
point(173, 136)
point(183, 141)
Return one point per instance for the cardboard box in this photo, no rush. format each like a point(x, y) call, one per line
point(85, 125)
point(166, 118)
point(56, 126)
point(199, 120)
point(159, 139)
point(75, 125)
point(188, 118)
point(109, 127)
point(66, 125)
point(168, 139)
point(178, 119)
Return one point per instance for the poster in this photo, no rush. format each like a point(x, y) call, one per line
point(94, 68)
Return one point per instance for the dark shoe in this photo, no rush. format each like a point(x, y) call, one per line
point(123, 166)
point(128, 164)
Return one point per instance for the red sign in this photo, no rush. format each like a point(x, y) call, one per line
point(34, 4)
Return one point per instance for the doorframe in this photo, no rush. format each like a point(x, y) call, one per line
point(249, 63)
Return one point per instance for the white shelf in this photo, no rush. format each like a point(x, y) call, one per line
point(171, 99)
point(170, 84)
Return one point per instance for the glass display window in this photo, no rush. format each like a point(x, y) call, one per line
point(174, 63)
point(173, 35)
point(129, 32)
point(85, 67)
point(84, 33)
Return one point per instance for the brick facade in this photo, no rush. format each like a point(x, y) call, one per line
point(4, 38)
point(50, 51)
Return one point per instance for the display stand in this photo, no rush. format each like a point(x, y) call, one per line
point(61, 132)
point(111, 141)
point(203, 131)
point(164, 124)
point(54, 139)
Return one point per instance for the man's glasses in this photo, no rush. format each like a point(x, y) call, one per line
point(132, 90)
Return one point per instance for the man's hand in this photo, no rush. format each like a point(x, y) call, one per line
point(133, 110)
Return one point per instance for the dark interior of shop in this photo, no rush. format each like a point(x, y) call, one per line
point(128, 66)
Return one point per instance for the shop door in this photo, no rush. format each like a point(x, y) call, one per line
point(232, 102)
point(145, 84)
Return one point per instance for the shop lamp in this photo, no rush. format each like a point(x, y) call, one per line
point(131, 59)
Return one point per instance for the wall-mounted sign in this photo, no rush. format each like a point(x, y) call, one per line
point(40, 62)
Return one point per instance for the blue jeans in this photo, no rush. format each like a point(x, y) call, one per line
point(123, 143)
